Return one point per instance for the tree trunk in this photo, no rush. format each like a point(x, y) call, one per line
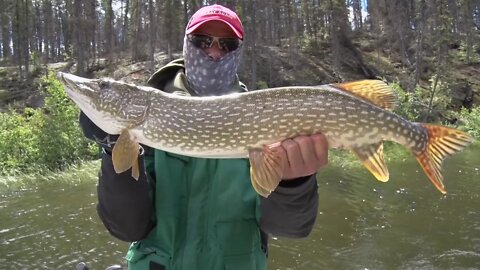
point(49, 32)
point(109, 29)
point(89, 29)
point(253, 55)
point(338, 30)
point(357, 14)
point(469, 29)
point(152, 34)
point(66, 19)
point(134, 35)
point(420, 26)
point(433, 91)
point(21, 41)
point(79, 47)
point(125, 24)
point(35, 29)
point(277, 22)
point(6, 28)
point(26, 40)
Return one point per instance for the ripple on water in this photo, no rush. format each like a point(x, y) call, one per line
point(54, 228)
point(454, 258)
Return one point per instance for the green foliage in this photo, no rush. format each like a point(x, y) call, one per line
point(414, 106)
point(261, 85)
point(468, 55)
point(409, 105)
point(441, 96)
point(312, 45)
point(424, 104)
point(470, 121)
point(45, 138)
point(35, 58)
point(17, 139)
point(309, 45)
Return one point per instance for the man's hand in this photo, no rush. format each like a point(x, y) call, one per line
point(303, 155)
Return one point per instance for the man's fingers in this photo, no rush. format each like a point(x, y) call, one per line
point(303, 155)
point(293, 153)
point(283, 155)
point(320, 145)
point(307, 150)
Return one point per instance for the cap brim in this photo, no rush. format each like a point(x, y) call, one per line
point(193, 28)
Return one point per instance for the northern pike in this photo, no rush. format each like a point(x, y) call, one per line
point(354, 115)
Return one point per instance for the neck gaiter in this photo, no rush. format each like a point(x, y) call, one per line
point(209, 77)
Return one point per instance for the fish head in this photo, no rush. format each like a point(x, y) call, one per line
point(112, 105)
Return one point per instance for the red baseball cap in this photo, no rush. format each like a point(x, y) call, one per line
point(215, 13)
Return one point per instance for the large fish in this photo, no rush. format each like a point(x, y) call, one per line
point(355, 116)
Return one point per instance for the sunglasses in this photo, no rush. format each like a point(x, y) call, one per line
point(203, 41)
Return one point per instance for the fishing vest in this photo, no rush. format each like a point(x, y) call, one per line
point(207, 214)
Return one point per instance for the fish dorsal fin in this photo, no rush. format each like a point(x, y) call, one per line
point(373, 91)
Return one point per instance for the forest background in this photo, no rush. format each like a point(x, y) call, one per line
point(428, 50)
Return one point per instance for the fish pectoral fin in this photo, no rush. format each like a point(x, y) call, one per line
point(260, 190)
point(372, 158)
point(125, 154)
point(373, 91)
point(136, 169)
point(442, 142)
point(265, 170)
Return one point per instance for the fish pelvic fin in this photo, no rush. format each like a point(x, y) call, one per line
point(442, 142)
point(372, 158)
point(125, 154)
point(375, 92)
point(265, 170)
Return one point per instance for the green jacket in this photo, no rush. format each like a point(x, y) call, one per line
point(209, 213)
point(205, 214)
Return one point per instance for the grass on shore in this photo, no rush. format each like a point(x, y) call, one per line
point(74, 174)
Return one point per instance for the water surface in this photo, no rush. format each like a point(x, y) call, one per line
point(362, 223)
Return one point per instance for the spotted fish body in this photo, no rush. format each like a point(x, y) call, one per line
point(228, 127)
point(354, 116)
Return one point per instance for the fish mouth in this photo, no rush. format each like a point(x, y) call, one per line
point(85, 94)
point(71, 79)
point(80, 90)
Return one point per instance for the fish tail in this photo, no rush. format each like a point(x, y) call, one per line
point(442, 142)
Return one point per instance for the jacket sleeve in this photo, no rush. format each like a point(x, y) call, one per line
point(291, 210)
point(125, 205)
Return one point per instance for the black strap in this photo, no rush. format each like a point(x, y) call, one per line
point(156, 266)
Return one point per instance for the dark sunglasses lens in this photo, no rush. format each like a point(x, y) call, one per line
point(204, 42)
point(200, 41)
point(229, 44)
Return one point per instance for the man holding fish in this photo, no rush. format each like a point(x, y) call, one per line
point(195, 203)
point(203, 213)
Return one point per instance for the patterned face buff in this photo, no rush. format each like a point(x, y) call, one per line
point(209, 77)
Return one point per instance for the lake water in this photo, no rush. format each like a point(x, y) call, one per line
point(362, 223)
